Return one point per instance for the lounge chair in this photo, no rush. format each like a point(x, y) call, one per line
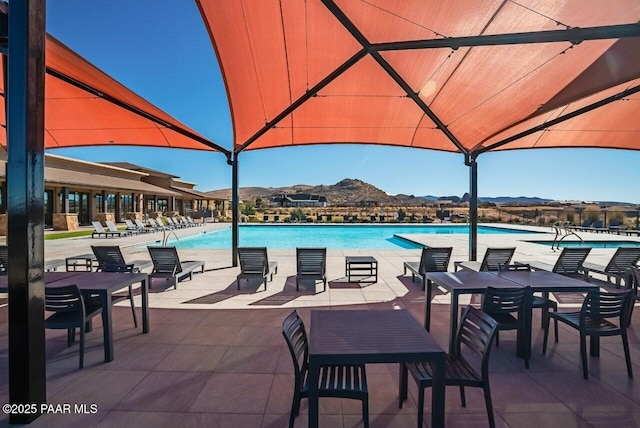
point(49, 265)
point(112, 228)
point(159, 225)
point(569, 263)
point(110, 259)
point(598, 227)
point(167, 264)
point(622, 260)
point(431, 260)
point(144, 228)
point(132, 227)
point(492, 258)
point(100, 231)
point(614, 226)
point(311, 264)
point(254, 263)
point(192, 222)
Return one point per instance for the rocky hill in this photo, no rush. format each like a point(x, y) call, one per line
point(347, 191)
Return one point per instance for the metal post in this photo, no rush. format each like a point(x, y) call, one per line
point(25, 208)
point(473, 208)
point(235, 197)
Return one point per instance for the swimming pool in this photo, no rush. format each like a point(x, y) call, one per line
point(592, 244)
point(374, 237)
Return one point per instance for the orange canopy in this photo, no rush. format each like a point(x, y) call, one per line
point(336, 71)
point(86, 107)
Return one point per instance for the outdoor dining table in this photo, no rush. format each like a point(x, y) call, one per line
point(470, 282)
point(372, 336)
point(103, 284)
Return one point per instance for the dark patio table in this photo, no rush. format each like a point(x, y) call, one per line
point(470, 282)
point(103, 284)
point(372, 336)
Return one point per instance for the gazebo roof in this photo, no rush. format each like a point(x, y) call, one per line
point(464, 76)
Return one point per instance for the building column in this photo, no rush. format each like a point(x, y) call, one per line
point(64, 208)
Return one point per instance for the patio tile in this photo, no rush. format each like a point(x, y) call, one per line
point(249, 359)
point(165, 392)
point(215, 420)
point(240, 393)
point(142, 419)
point(207, 334)
point(192, 358)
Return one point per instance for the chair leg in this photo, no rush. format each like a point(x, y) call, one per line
point(297, 284)
point(463, 397)
point(82, 347)
point(402, 384)
point(133, 307)
point(555, 329)
point(420, 404)
point(627, 356)
point(295, 408)
point(497, 338)
point(546, 335)
point(583, 355)
point(487, 400)
point(238, 282)
point(365, 411)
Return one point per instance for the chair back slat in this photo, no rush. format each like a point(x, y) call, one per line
point(435, 259)
point(570, 261)
point(311, 261)
point(623, 259)
point(165, 260)
point(601, 305)
point(253, 260)
point(98, 227)
point(477, 331)
point(4, 259)
point(494, 257)
point(295, 335)
point(505, 300)
point(108, 254)
point(63, 299)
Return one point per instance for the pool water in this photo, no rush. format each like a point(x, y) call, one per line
point(374, 237)
point(592, 244)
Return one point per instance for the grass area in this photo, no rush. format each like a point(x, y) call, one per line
point(72, 234)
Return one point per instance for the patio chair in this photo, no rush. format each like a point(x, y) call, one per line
point(167, 264)
point(569, 263)
point(477, 331)
point(158, 224)
point(537, 302)
point(632, 282)
point(113, 229)
point(501, 304)
point(593, 320)
point(254, 263)
point(312, 264)
point(100, 231)
point(192, 222)
point(621, 260)
point(4, 259)
point(345, 381)
point(493, 258)
point(431, 260)
point(69, 312)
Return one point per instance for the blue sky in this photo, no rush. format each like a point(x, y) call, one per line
point(160, 49)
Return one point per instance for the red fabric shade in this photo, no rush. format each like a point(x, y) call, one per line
point(81, 117)
point(272, 52)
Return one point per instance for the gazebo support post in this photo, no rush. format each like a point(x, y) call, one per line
point(235, 212)
point(473, 207)
point(25, 208)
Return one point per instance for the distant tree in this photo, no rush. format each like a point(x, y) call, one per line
point(247, 209)
point(259, 203)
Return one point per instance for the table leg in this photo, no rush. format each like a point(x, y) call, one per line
point(314, 373)
point(438, 395)
point(145, 304)
point(454, 322)
point(427, 297)
point(107, 326)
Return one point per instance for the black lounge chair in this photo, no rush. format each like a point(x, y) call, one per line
point(621, 260)
point(312, 264)
point(254, 263)
point(476, 332)
point(167, 264)
point(346, 381)
point(493, 258)
point(69, 312)
point(431, 260)
point(110, 259)
point(593, 320)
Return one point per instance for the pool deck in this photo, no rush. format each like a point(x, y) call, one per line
point(226, 363)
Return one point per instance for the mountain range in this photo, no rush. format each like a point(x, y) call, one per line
point(351, 190)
